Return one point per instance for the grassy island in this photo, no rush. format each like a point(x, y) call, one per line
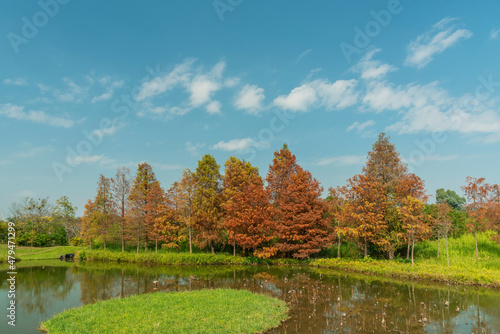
point(202, 311)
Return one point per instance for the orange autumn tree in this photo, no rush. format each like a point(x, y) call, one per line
point(476, 191)
point(156, 214)
point(246, 205)
point(385, 166)
point(89, 230)
point(144, 180)
point(299, 222)
point(364, 211)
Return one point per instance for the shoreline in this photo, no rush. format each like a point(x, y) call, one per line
point(422, 271)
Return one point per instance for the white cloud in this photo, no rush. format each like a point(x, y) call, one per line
point(360, 126)
point(372, 69)
point(193, 149)
point(202, 89)
point(103, 97)
point(238, 145)
point(5, 162)
point(320, 93)
point(16, 82)
point(250, 98)
point(299, 99)
point(345, 160)
point(213, 107)
point(72, 93)
point(383, 95)
point(443, 35)
point(17, 112)
point(201, 85)
point(110, 85)
point(494, 33)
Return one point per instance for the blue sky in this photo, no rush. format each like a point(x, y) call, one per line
point(87, 86)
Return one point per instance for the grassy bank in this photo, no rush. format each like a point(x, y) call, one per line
point(463, 269)
point(37, 253)
point(202, 311)
point(159, 258)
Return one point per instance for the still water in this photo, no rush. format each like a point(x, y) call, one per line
point(321, 301)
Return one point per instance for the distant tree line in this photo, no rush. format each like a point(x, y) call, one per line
point(40, 223)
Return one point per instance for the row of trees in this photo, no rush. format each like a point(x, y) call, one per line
point(383, 209)
point(40, 223)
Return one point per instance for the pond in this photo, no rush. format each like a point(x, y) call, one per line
point(321, 300)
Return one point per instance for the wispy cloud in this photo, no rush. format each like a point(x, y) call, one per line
point(17, 112)
point(193, 149)
point(302, 55)
point(443, 35)
point(16, 82)
point(33, 152)
point(494, 33)
point(372, 69)
point(360, 126)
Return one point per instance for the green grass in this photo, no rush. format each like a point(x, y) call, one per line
point(37, 253)
point(463, 269)
point(202, 311)
point(159, 258)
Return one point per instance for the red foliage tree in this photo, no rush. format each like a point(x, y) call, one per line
point(299, 212)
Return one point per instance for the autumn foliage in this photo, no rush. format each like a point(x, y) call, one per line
point(381, 211)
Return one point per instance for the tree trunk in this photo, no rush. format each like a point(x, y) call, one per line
point(190, 242)
point(412, 247)
point(212, 247)
point(391, 254)
point(91, 243)
point(138, 244)
point(338, 247)
point(475, 237)
point(104, 243)
point(408, 249)
point(366, 249)
point(156, 244)
point(447, 256)
point(438, 247)
point(234, 248)
point(123, 241)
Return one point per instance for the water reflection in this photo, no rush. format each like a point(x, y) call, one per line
point(321, 301)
